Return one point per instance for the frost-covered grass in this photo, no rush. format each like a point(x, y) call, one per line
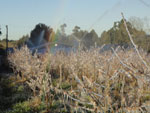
point(86, 81)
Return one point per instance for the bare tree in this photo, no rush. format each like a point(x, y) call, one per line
point(140, 23)
point(62, 27)
point(137, 23)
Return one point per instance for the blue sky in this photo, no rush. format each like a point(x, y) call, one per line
point(22, 15)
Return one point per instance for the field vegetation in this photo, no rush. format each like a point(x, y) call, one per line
point(85, 81)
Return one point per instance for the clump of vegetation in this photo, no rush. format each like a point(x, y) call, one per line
point(22, 41)
point(11, 43)
point(86, 81)
point(12, 92)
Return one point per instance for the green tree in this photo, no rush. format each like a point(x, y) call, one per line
point(90, 39)
point(76, 29)
point(118, 35)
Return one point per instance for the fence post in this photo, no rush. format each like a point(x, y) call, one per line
point(6, 40)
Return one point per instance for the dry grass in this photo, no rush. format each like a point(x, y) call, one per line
point(10, 44)
point(87, 80)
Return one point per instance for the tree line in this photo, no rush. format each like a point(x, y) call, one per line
point(116, 35)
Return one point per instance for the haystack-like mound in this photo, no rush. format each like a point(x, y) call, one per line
point(39, 38)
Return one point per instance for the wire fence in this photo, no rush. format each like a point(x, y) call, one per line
point(145, 3)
